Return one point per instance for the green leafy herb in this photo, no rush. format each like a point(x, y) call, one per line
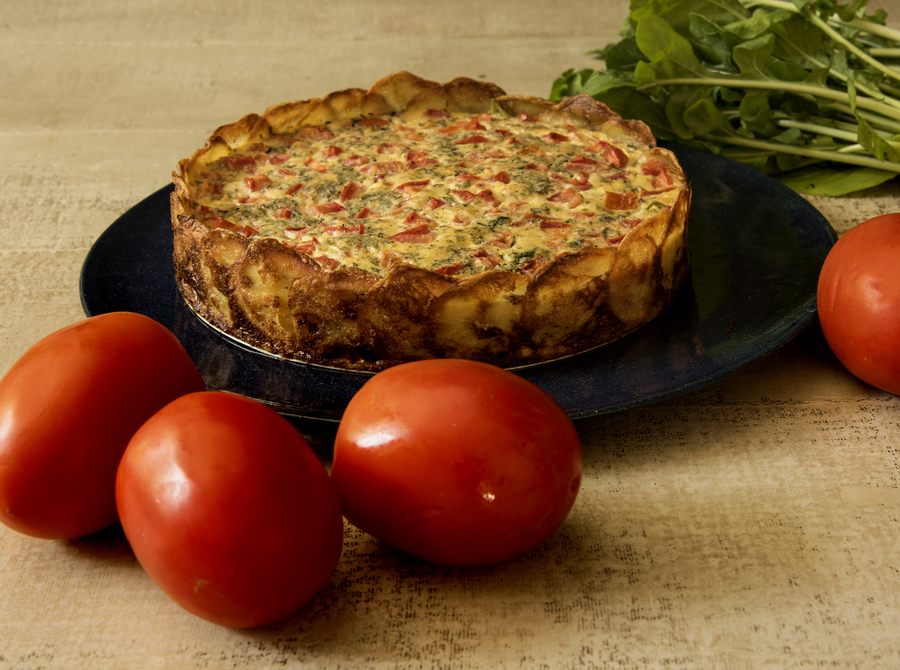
point(499, 221)
point(808, 92)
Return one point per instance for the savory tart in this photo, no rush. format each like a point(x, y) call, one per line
point(420, 220)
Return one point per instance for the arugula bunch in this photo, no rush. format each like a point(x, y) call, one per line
point(807, 92)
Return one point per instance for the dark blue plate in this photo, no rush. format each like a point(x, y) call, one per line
point(756, 251)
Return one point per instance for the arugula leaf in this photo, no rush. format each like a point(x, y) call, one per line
point(803, 86)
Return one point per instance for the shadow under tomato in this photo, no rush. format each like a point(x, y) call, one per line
point(380, 601)
point(319, 434)
point(109, 543)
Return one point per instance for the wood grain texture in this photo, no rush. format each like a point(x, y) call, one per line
point(753, 523)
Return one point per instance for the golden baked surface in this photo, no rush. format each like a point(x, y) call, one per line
point(418, 220)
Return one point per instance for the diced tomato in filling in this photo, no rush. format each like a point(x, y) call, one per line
point(205, 212)
point(283, 213)
point(208, 188)
point(487, 258)
point(541, 217)
point(449, 269)
point(386, 147)
point(504, 240)
point(474, 124)
point(418, 159)
point(653, 166)
point(257, 182)
point(526, 117)
point(586, 164)
point(556, 137)
point(351, 190)
point(657, 191)
point(465, 197)
point(307, 248)
point(365, 213)
point(502, 177)
point(278, 159)
point(613, 241)
point(473, 139)
point(616, 156)
point(417, 235)
point(239, 162)
point(435, 203)
point(356, 160)
point(315, 133)
point(437, 113)
point(662, 180)
point(344, 229)
point(315, 165)
point(452, 129)
point(219, 222)
point(331, 151)
point(325, 208)
point(579, 182)
point(326, 262)
point(385, 167)
point(569, 196)
point(293, 189)
point(416, 219)
point(373, 121)
point(554, 224)
point(296, 233)
point(533, 265)
point(413, 186)
point(622, 201)
point(487, 196)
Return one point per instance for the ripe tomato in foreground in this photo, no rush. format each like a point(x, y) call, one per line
point(69, 406)
point(229, 510)
point(456, 462)
point(859, 301)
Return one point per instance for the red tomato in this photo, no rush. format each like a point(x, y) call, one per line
point(228, 509)
point(859, 301)
point(69, 406)
point(456, 462)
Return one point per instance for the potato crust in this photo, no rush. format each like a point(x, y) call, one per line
point(280, 300)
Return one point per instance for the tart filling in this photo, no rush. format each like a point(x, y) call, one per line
point(418, 220)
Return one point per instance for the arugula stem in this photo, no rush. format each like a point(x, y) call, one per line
point(885, 52)
point(888, 110)
point(877, 29)
point(848, 136)
point(862, 161)
point(852, 48)
point(876, 120)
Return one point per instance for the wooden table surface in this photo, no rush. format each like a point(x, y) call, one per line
point(752, 523)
